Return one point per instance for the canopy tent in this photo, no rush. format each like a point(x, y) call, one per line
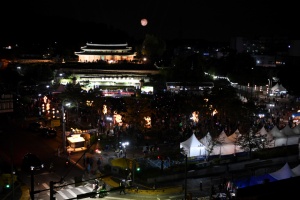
point(278, 89)
point(291, 137)
point(276, 133)
point(296, 170)
point(223, 138)
point(234, 136)
point(193, 147)
point(226, 145)
point(287, 131)
point(207, 140)
point(254, 180)
point(262, 131)
point(283, 173)
point(279, 138)
point(268, 136)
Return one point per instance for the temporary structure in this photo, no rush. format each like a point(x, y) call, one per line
point(234, 136)
point(226, 145)
point(278, 89)
point(207, 140)
point(283, 173)
point(193, 147)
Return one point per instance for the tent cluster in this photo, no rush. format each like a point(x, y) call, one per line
point(278, 89)
point(283, 173)
point(227, 145)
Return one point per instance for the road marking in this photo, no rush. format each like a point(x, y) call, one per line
point(71, 192)
point(117, 198)
point(80, 190)
point(62, 194)
point(45, 185)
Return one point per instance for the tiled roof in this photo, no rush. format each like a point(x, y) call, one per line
point(106, 46)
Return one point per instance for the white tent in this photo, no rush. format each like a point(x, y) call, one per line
point(223, 138)
point(276, 132)
point(234, 136)
point(287, 131)
point(227, 145)
point(278, 88)
point(283, 173)
point(279, 138)
point(291, 137)
point(296, 170)
point(193, 147)
point(262, 131)
point(268, 135)
point(207, 140)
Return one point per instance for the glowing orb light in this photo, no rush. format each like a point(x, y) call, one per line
point(144, 22)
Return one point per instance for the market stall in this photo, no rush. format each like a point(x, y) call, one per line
point(76, 143)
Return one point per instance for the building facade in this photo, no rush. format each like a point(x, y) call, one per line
point(111, 53)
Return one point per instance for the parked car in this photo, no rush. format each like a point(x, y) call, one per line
point(48, 132)
point(32, 162)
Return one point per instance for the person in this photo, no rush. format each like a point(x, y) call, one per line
point(122, 185)
point(99, 164)
point(200, 185)
point(96, 184)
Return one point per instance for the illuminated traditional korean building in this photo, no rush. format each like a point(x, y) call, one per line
point(111, 53)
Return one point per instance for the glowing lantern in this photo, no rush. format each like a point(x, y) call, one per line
point(144, 22)
point(117, 118)
point(195, 115)
point(214, 112)
point(104, 109)
point(148, 121)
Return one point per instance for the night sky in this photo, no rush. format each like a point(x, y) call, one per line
point(209, 20)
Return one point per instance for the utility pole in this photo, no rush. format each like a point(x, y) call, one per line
point(52, 190)
point(12, 172)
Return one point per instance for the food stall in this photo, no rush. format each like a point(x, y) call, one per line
point(77, 143)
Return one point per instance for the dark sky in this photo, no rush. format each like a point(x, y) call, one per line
point(190, 19)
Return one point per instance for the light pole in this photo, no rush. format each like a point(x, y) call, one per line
point(268, 87)
point(64, 124)
point(63, 127)
point(185, 178)
point(32, 183)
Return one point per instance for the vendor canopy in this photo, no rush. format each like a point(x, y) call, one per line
point(193, 147)
point(278, 88)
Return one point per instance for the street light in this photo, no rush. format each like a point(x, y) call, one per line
point(64, 124)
